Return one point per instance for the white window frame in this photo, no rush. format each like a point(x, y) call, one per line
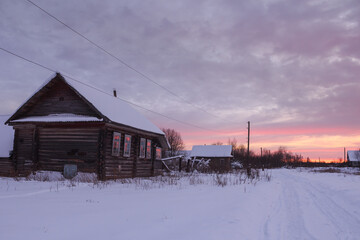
point(148, 149)
point(158, 153)
point(142, 150)
point(127, 145)
point(115, 151)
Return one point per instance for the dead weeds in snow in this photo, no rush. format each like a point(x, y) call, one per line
point(345, 171)
point(181, 180)
point(174, 179)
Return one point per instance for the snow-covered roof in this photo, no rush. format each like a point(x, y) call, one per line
point(211, 151)
point(353, 156)
point(115, 109)
point(6, 137)
point(66, 117)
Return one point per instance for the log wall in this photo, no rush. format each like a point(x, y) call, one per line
point(23, 150)
point(60, 146)
point(7, 168)
point(124, 167)
point(220, 164)
point(59, 99)
point(44, 147)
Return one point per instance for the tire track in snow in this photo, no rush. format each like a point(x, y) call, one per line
point(323, 215)
point(51, 189)
point(345, 224)
point(273, 214)
point(32, 193)
point(286, 220)
point(294, 227)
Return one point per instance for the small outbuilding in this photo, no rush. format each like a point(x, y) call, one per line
point(353, 158)
point(219, 155)
point(70, 123)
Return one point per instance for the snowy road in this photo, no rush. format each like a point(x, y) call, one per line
point(293, 205)
point(311, 208)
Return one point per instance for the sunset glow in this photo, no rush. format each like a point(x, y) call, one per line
point(312, 143)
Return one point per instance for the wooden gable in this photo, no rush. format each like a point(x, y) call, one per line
point(56, 97)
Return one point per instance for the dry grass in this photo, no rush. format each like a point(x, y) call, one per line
point(174, 179)
point(327, 170)
point(180, 180)
point(345, 171)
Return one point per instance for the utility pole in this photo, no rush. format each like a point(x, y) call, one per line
point(344, 154)
point(248, 170)
point(248, 146)
point(261, 159)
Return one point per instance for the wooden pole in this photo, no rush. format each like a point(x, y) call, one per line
point(248, 170)
point(248, 146)
point(261, 159)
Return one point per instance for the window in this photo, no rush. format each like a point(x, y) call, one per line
point(142, 147)
point(127, 146)
point(158, 153)
point(148, 148)
point(116, 144)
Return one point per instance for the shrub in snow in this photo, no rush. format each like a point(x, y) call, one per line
point(45, 176)
point(51, 176)
point(85, 177)
point(236, 165)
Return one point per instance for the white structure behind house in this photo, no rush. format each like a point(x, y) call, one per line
point(6, 137)
point(354, 158)
point(211, 151)
point(219, 155)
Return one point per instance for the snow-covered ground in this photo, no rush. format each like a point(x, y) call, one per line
point(294, 204)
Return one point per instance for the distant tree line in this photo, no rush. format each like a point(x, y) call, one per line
point(268, 159)
point(271, 159)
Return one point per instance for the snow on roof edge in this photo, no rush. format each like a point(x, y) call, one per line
point(211, 151)
point(353, 155)
point(135, 117)
point(28, 98)
point(59, 118)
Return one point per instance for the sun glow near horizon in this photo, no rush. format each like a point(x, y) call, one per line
point(317, 145)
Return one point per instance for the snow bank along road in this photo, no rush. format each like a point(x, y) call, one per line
point(293, 205)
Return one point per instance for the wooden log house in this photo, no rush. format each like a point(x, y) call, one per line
point(66, 122)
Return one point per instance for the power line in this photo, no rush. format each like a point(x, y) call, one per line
point(102, 91)
point(123, 62)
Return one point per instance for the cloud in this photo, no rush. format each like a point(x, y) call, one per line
point(277, 63)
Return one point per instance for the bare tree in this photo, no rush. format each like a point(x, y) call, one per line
point(175, 141)
point(233, 143)
point(217, 143)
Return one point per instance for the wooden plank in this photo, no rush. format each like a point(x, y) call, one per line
point(60, 98)
point(60, 146)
